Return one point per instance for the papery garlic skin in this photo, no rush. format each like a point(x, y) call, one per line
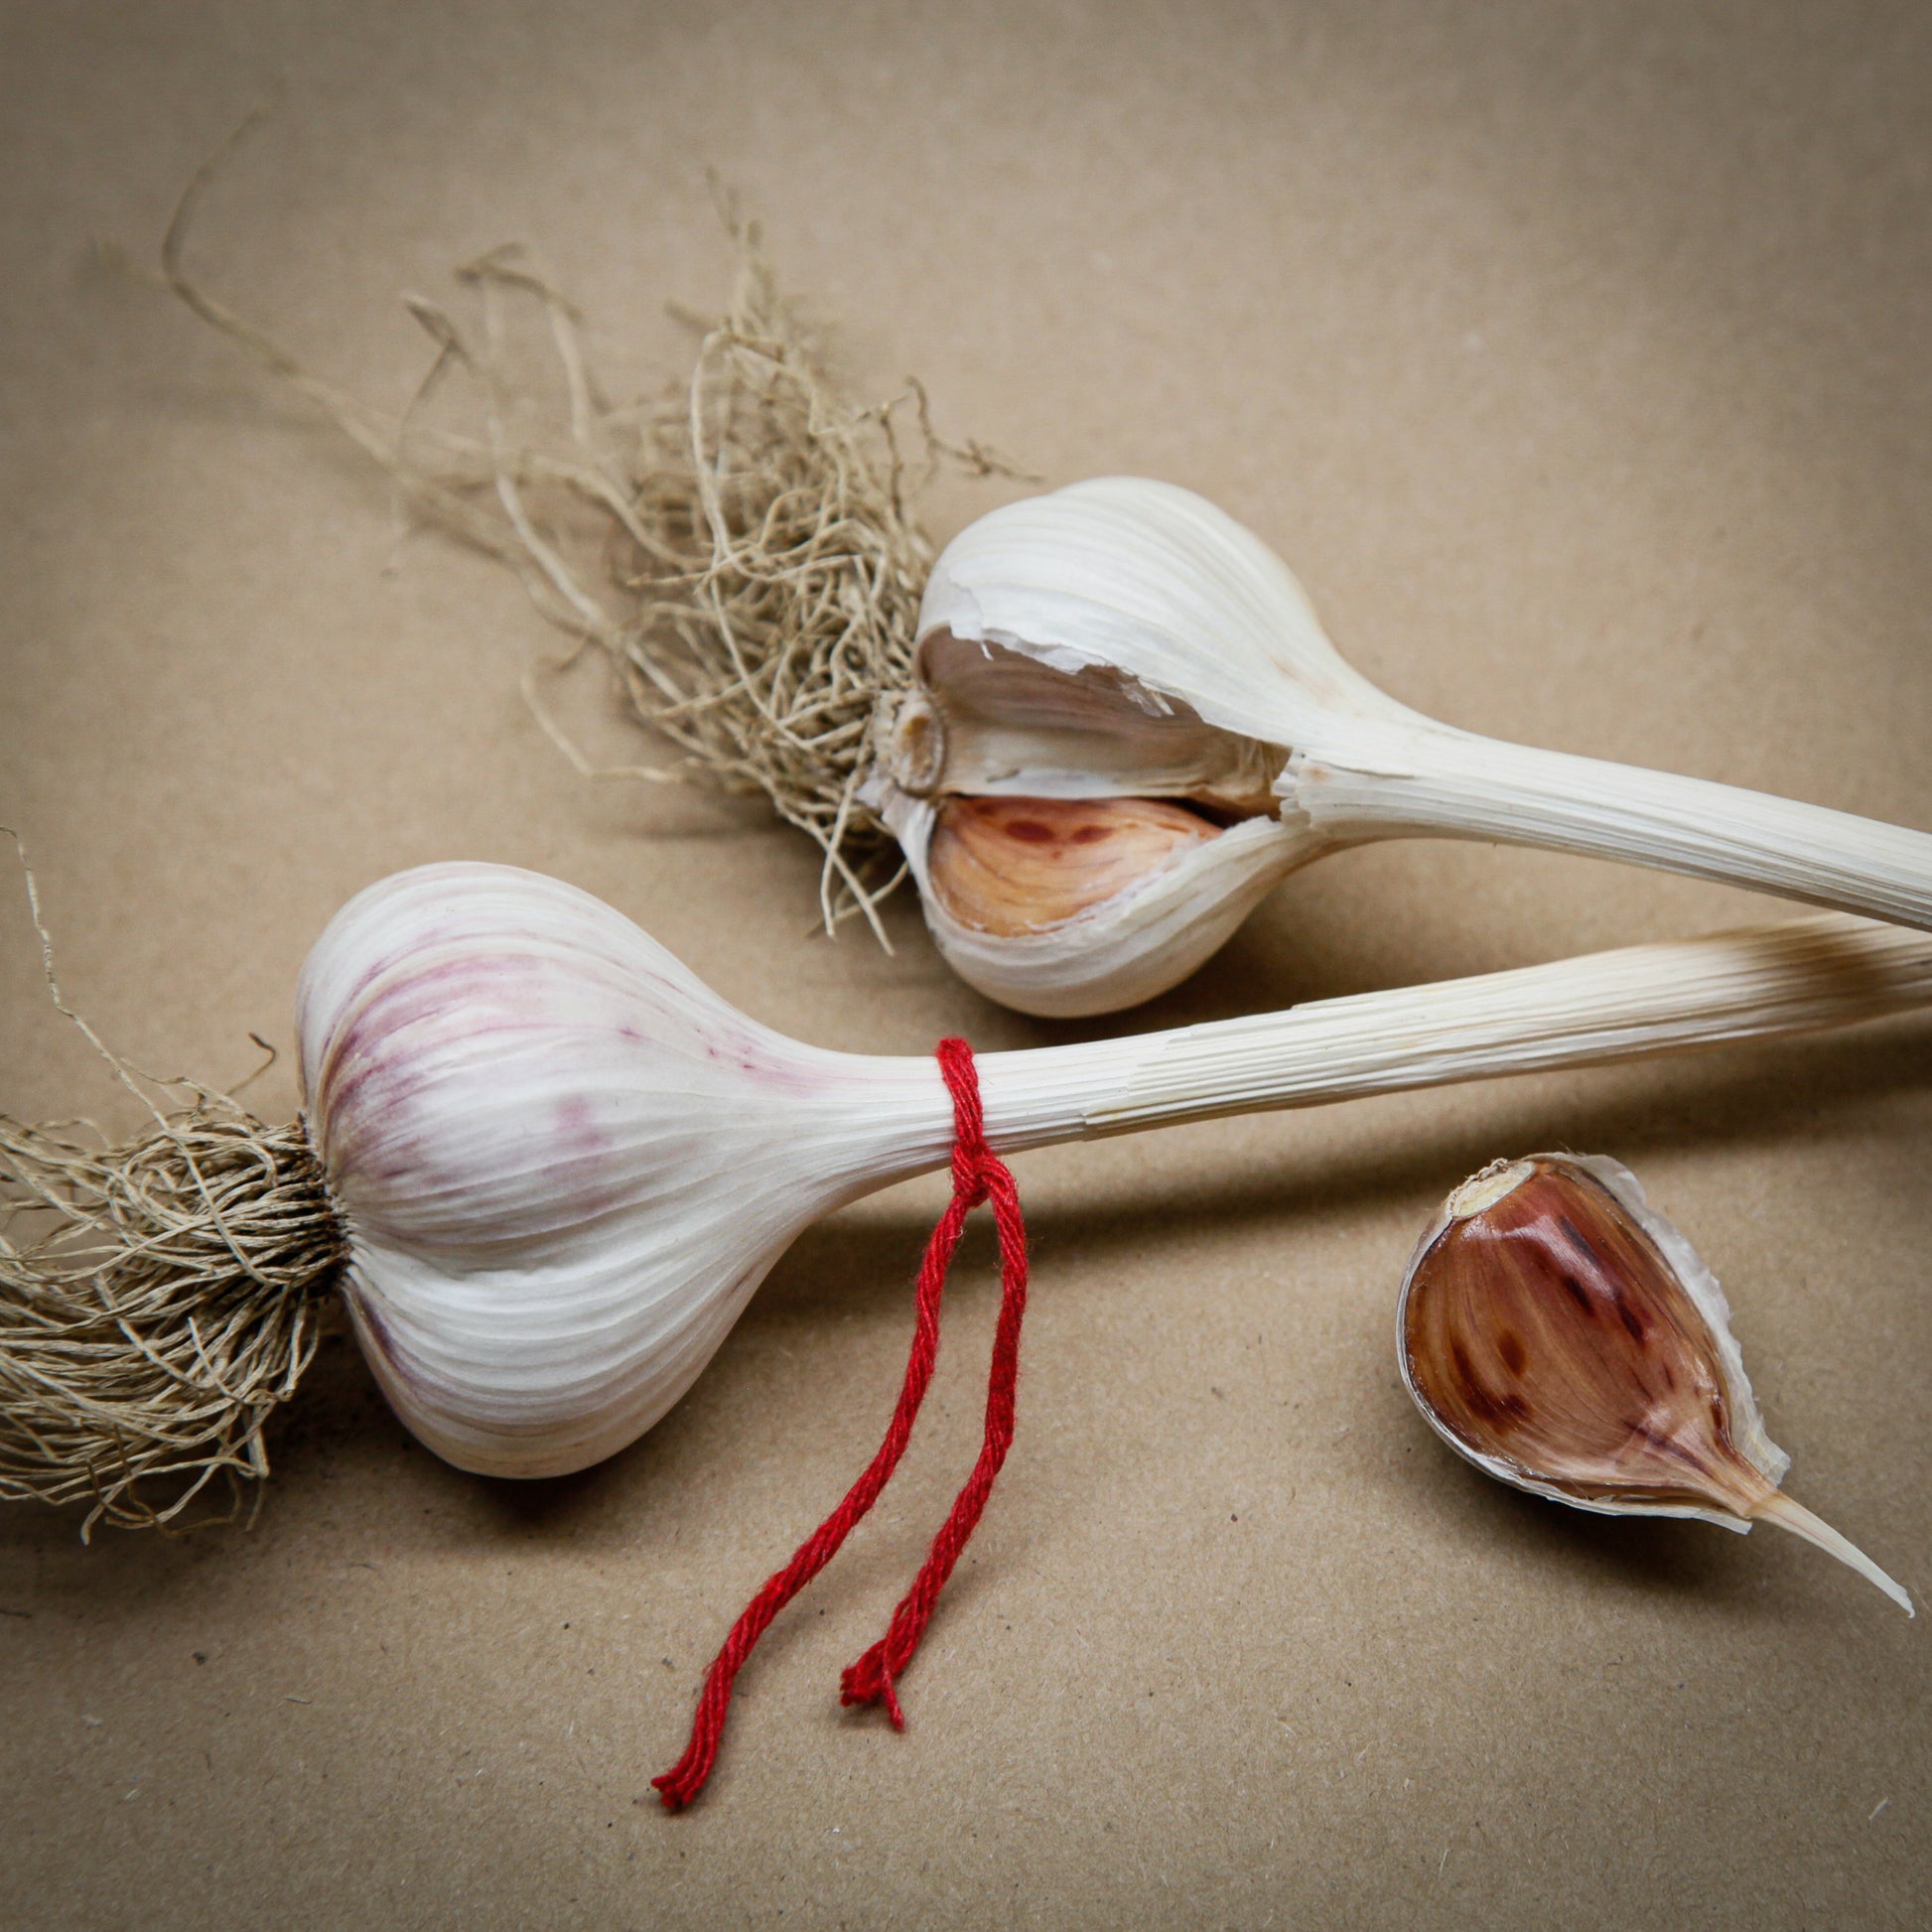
point(1153, 584)
point(564, 1164)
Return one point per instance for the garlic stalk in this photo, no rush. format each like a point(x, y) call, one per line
point(1563, 1336)
point(1123, 641)
point(563, 1164)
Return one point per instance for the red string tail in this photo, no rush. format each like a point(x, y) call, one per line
point(978, 1174)
point(871, 1679)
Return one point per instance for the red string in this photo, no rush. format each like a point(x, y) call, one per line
point(978, 1174)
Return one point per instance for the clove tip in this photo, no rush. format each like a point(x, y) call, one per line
point(1791, 1515)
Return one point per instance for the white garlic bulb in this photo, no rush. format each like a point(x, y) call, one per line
point(1123, 641)
point(563, 1164)
point(1563, 1336)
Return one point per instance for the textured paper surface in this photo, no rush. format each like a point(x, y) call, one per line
point(1575, 357)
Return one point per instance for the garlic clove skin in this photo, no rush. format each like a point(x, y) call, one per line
point(1178, 910)
point(563, 1162)
point(1559, 1332)
point(1013, 866)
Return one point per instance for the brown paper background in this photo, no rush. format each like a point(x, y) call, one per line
point(1575, 355)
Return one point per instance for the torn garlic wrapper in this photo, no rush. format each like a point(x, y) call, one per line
point(1127, 726)
point(1563, 1336)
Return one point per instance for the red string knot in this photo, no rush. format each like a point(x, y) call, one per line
point(978, 1175)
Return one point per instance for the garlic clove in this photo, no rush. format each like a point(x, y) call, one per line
point(1008, 865)
point(1564, 1337)
point(1161, 922)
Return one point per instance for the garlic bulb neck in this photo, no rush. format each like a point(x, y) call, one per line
point(1431, 782)
point(563, 1164)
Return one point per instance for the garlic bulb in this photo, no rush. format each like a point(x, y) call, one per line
point(563, 1164)
point(1563, 1336)
point(1123, 641)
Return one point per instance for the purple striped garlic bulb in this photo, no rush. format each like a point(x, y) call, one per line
point(562, 1164)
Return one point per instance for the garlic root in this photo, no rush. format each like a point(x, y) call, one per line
point(159, 1299)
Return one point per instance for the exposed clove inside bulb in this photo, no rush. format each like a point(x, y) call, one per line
point(1563, 1336)
point(1013, 866)
point(1122, 643)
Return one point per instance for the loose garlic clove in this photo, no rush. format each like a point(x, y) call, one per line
point(1011, 865)
point(1123, 639)
point(1563, 1336)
